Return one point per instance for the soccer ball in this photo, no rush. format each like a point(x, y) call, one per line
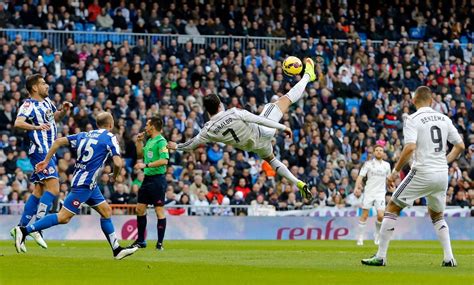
point(292, 66)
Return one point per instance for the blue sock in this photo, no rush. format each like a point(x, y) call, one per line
point(109, 232)
point(30, 209)
point(45, 204)
point(46, 222)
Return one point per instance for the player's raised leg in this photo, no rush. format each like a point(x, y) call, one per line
point(108, 229)
point(282, 170)
point(295, 93)
point(63, 217)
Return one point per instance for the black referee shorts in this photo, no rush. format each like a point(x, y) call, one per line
point(152, 191)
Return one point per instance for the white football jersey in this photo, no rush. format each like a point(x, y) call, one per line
point(235, 127)
point(376, 172)
point(430, 131)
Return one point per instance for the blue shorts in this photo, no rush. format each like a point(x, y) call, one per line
point(77, 196)
point(49, 172)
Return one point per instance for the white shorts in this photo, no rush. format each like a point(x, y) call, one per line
point(417, 185)
point(263, 147)
point(373, 201)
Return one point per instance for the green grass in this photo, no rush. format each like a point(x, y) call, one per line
point(235, 262)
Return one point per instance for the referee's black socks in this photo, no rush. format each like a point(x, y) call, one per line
point(161, 228)
point(141, 224)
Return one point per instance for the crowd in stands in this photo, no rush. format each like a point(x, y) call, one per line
point(360, 99)
point(438, 20)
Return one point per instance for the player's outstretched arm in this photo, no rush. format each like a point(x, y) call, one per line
point(54, 148)
point(192, 144)
point(21, 123)
point(59, 114)
point(455, 152)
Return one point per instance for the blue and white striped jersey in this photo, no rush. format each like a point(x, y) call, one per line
point(93, 149)
point(37, 113)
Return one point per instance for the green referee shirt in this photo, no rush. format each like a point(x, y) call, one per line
point(155, 149)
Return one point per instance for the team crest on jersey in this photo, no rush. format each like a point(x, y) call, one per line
point(150, 154)
point(51, 170)
point(49, 115)
point(76, 203)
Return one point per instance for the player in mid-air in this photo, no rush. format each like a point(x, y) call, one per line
point(93, 149)
point(38, 116)
point(250, 132)
point(426, 133)
point(376, 171)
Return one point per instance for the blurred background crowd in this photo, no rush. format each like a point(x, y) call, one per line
point(367, 66)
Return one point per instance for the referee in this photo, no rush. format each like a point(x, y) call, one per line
point(155, 156)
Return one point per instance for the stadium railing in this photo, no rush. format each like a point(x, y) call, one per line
point(58, 39)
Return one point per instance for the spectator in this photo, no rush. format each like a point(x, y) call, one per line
point(104, 22)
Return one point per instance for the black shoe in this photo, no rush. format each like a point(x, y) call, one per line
point(138, 244)
point(449, 263)
point(122, 252)
point(159, 246)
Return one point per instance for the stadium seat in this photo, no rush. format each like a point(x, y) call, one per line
point(101, 38)
point(352, 103)
point(25, 35)
point(177, 171)
point(363, 37)
point(437, 46)
point(11, 35)
point(78, 27)
point(90, 27)
point(463, 40)
point(116, 39)
point(417, 33)
point(37, 36)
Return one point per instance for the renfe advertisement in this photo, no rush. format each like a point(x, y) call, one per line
point(248, 228)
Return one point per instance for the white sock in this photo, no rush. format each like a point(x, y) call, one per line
point(377, 227)
point(386, 232)
point(113, 241)
point(296, 92)
point(41, 212)
point(361, 230)
point(282, 170)
point(442, 231)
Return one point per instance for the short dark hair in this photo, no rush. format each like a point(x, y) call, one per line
point(423, 93)
point(157, 123)
point(211, 103)
point(31, 81)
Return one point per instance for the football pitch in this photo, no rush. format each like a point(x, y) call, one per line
point(234, 262)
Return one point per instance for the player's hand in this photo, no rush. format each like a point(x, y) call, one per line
point(41, 166)
point(289, 133)
point(140, 136)
point(140, 165)
point(67, 106)
point(172, 145)
point(43, 127)
point(392, 178)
